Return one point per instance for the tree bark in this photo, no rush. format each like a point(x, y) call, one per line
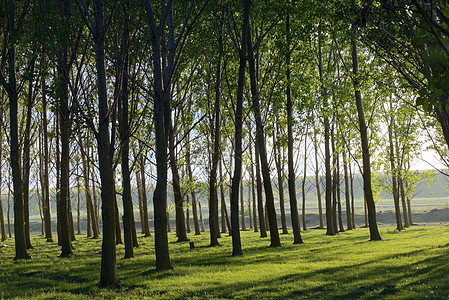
point(44, 180)
point(90, 209)
point(253, 189)
point(394, 175)
point(26, 164)
point(349, 224)
point(328, 195)
point(260, 205)
point(260, 139)
point(317, 180)
point(280, 173)
point(128, 212)
point(236, 242)
point(11, 88)
point(196, 223)
point(374, 232)
point(108, 275)
point(213, 187)
point(160, 193)
point(303, 187)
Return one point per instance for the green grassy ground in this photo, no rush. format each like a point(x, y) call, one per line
point(409, 265)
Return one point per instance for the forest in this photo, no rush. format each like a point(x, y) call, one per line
point(112, 105)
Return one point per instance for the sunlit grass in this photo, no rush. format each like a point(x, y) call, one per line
point(409, 264)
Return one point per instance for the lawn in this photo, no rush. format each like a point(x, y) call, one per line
point(410, 264)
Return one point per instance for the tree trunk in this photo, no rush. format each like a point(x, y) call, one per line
point(340, 214)
point(303, 187)
point(11, 88)
point(2, 220)
point(334, 179)
point(160, 193)
point(242, 205)
point(404, 202)
point(192, 192)
point(9, 208)
point(213, 192)
point(409, 208)
point(44, 180)
point(351, 181)
point(260, 139)
point(26, 159)
point(224, 212)
point(143, 191)
point(90, 209)
point(253, 189)
point(394, 175)
point(317, 180)
point(280, 172)
point(327, 163)
point(236, 242)
point(201, 216)
point(108, 251)
point(374, 232)
point(181, 232)
point(260, 206)
point(349, 224)
point(78, 206)
point(128, 211)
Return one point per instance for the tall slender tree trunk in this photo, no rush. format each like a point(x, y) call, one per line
point(128, 211)
point(224, 212)
point(280, 172)
point(90, 208)
point(11, 88)
point(297, 239)
point(351, 181)
point(26, 159)
point(143, 191)
point(374, 232)
point(213, 187)
point(340, 214)
point(160, 193)
point(409, 207)
point(201, 216)
point(108, 275)
point(327, 163)
point(78, 205)
point(9, 208)
point(349, 224)
point(317, 180)
point(403, 202)
point(236, 242)
point(196, 223)
point(260, 139)
point(394, 174)
point(242, 205)
point(181, 231)
point(2, 219)
point(253, 189)
point(334, 179)
point(303, 187)
point(260, 205)
point(44, 180)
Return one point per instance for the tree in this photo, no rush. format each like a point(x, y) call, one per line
point(238, 120)
point(374, 232)
point(11, 89)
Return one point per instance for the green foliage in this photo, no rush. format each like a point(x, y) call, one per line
point(410, 264)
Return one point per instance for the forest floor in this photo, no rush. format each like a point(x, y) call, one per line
point(411, 264)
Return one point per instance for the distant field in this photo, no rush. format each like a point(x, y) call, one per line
point(411, 264)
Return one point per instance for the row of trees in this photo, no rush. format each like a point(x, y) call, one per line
point(163, 86)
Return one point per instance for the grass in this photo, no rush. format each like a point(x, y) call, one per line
point(410, 264)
